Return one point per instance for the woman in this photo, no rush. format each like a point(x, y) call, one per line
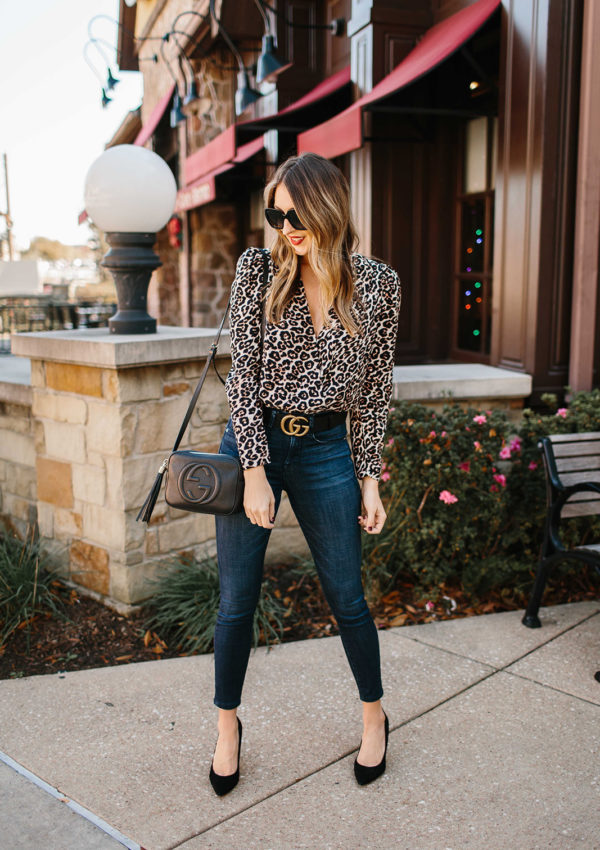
point(328, 350)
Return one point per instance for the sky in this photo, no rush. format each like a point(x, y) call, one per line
point(52, 125)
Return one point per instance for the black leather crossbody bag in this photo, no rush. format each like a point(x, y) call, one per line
point(203, 482)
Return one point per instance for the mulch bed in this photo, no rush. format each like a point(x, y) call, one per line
point(97, 636)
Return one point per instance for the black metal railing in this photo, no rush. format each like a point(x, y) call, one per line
point(31, 313)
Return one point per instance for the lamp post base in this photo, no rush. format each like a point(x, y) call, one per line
point(131, 261)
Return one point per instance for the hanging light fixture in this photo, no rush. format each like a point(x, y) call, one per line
point(177, 115)
point(269, 66)
point(111, 81)
point(245, 95)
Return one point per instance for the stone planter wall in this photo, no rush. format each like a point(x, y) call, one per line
point(18, 480)
point(102, 432)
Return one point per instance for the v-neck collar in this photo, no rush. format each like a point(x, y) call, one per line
point(310, 319)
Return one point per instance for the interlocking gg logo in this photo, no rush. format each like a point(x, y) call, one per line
point(198, 482)
point(294, 426)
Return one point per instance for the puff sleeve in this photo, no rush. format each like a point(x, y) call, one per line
point(368, 415)
point(243, 381)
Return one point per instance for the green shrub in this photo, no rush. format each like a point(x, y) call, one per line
point(183, 608)
point(465, 495)
point(25, 585)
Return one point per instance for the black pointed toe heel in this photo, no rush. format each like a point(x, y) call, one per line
point(224, 784)
point(365, 774)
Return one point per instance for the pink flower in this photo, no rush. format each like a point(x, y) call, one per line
point(465, 466)
point(432, 434)
point(385, 476)
point(501, 479)
point(392, 409)
point(429, 606)
point(391, 441)
point(533, 465)
point(480, 419)
point(504, 453)
point(562, 411)
point(443, 434)
point(515, 445)
point(448, 498)
point(477, 445)
point(493, 489)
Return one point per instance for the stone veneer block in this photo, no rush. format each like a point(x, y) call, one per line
point(159, 423)
point(54, 482)
point(67, 524)
point(38, 373)
point(17, 448)
point(140, 384)
point(89, 483)
point(176, 388)
point(64, 441)
point(71, 378)
point(110, 429)
point(60, 408)
point(89, 566)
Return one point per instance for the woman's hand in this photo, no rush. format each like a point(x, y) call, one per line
point(373, 515)
point(259, 501)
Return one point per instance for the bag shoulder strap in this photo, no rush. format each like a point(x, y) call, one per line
point(213, 349)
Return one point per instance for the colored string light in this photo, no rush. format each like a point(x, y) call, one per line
point(475, 333)
point(477, 283)
point(467, 292)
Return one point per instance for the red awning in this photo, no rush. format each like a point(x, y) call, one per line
point(217, 152)
point(343, 133)
point(332, 85)
point(222, 149)
point(155, 116)
point(204, 189)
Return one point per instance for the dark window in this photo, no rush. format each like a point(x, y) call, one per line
point(473, 277)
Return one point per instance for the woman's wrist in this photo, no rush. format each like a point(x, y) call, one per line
point(368, 481)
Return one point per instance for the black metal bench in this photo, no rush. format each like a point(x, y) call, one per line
point(572, 465)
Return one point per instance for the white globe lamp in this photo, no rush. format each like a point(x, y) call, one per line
point(130, 195)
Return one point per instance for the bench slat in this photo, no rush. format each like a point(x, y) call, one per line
point(581, 509)
point(569, 478)
point(582, 449)
point(574, 438)
point(576, 464)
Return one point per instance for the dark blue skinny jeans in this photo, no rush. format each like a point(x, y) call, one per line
point(317, 472)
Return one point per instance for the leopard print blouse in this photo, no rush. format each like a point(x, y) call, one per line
point(307, 374)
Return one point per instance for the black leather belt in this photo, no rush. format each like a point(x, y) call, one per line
point(299, 424)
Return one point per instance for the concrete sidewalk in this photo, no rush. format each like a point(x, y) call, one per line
point(494, 742)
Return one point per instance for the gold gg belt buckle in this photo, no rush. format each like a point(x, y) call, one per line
point(294, 426)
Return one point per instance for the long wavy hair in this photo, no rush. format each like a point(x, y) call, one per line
point(321, 197)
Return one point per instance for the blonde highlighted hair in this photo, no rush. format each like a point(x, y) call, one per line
point(321, 198)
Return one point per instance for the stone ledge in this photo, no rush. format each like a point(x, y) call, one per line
point(15, 380)
point(458, 381)
point(98, 347)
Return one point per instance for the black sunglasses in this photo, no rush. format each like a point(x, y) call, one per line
point(276, 218)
